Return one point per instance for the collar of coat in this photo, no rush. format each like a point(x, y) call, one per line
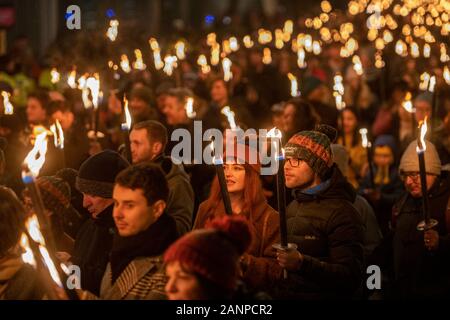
point(141, 277)
point(336, 187)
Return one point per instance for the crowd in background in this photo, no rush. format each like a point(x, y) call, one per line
point(353, 217)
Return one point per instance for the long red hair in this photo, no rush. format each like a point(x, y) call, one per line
point(253, 194)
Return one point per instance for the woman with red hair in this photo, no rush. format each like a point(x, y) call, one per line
point(259, 267)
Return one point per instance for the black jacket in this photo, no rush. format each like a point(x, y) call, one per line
point(92, 248)
point(329, 234)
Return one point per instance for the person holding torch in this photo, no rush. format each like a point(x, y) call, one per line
point(18, 280)
point(322, 222)
point(259, 268)
point(420, 257)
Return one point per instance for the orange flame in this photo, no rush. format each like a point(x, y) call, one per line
point(421, 144)
point(71, 79)
point(407, 104)
point(93, 84)
point(230, 116)
point(365, 141)
point(127, 124)
point(190, 108)
point(58, 134)
point(32, 161)
point(34, 230)
point(294, 84)
point(8, 107)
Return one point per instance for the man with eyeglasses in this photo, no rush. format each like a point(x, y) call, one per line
point(421, 260)
point(321, 222)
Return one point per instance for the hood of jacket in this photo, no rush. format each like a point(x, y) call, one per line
point(170, 169)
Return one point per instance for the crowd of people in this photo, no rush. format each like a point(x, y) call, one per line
point(142, 226)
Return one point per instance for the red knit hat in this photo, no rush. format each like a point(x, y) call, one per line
point(242, 153)
point(213, 253)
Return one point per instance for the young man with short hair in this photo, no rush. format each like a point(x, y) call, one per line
point(144, 231)
point(321, 221)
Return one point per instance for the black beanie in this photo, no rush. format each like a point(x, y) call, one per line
point(97, 174)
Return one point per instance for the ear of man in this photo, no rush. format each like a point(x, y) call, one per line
point(157, 148)
point(158, 208)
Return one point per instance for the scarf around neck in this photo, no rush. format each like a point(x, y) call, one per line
point(149, 243)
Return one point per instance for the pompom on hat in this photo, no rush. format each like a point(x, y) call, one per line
point(213, 253)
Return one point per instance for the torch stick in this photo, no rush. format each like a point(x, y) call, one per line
point(341, 115)
point(43, 272)
point(427, 223)
point(369, 159)
point(423, 182)
point(281, 192)
point(218, 163)
point(96, 121)
point(31, 167)
point(281, 189)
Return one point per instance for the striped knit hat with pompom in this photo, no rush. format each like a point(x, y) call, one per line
point(313, 147)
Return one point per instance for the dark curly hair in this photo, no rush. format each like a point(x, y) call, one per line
point(148, 177)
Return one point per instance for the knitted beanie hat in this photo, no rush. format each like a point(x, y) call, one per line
point(97, 174)
point(410, 161)
point(55, 193)
point(243, 153)
point(313, 147)
point(386, 140)
point(213, 253)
